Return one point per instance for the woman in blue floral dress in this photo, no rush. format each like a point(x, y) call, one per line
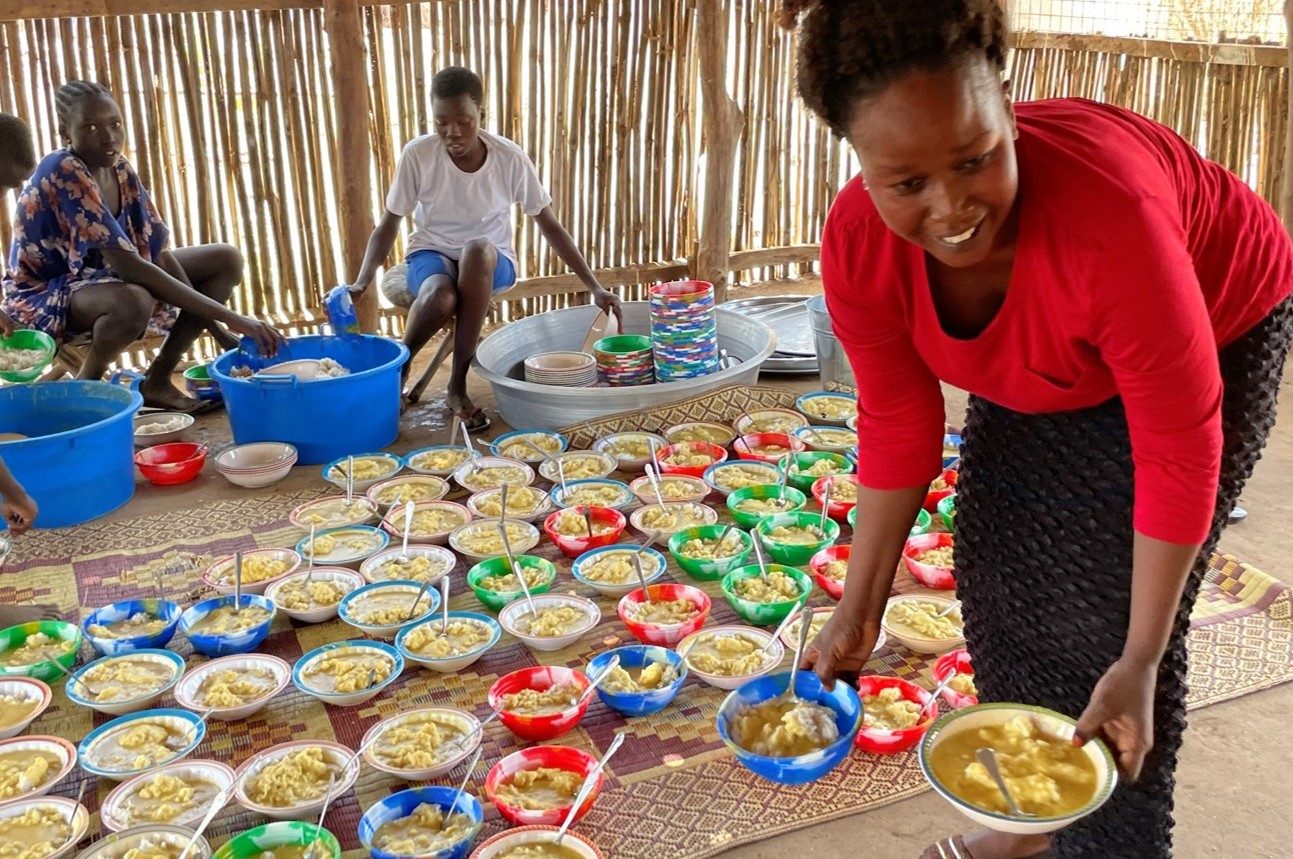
point(90, 255)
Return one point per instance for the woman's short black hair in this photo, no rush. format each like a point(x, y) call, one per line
point(16, 146)
point(455, 82)
point(850, 50)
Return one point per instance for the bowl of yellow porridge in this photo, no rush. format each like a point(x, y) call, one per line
point(344, 547)
point(422, 744)
point(26, 650)
point(22, 701)
point(769, 420)
point(283, 839)
point(673, 517)
point(132, 625)
point(347, 673)
point(561, 620)
point(536, 842)
point(700, 431)
point(689, 458)
point(176, 795)
point(334, 512)
point(706, 554)
point(767, 446)
point(928, 558)
point(218, 627)
point(151, 841)
point(496, 584)
point(260, 569)
point(961, 691)
point(433, 521)
point(540, 702)
point(632, 450)
point(674, 488)
point(914, 622)
point(753, 504)
point(610, 570)
point(646, 680)
point(439, 460)
point(896, 713)
point(422, 822)
point(33, 766)
point(833, 439)
point(290, 780)
point(763, 596)
point(483, 538)
point(452, 646)
point(827, 407)
point(830, 568)
point(576, 530)
point(49, 827)
point(492, 472)
point(671, 614)
point(140, 742)
point(1048, 776)
point(525, 445)
point(409, 487)
point(728, 477)
point(233, 687)
point(593, 492)
point(525, 503)
point(807, 467)
point(578, 465)
point(844, 494)
point(793, 538)
point(727, 656)
point(420, 564)
point(314, 596)
point(369, 470)
point(125, 683)
point(539, 785)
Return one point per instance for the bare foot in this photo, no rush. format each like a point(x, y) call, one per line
point(987, 844)
point(12, 615)
point(164, 395)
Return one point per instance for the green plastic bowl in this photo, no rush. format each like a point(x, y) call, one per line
point(490, 567)
point(795, 554)
point(765, 613)
point(29, 339)
point(806, 460)
point(796, 498)
point(947, 509)
point(623, 344)
point(923, 522)
point(709, 570)
point(253, 842)
point(14, 637)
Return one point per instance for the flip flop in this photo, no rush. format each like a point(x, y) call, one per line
point(948, 848)
point(476, 421)
point(200, 407)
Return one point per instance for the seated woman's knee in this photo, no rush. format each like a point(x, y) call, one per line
point(129, 312)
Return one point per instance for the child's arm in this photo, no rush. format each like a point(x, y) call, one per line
point(379, 247)
point(564, 245)
point(16, 505)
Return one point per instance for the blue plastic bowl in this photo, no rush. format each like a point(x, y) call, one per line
point(636, 656)
point(805, 768)
point(117, 612)
point(74, 690)
point(227, 645)
point(193, 721)
point(591, 557)
point(401, 804)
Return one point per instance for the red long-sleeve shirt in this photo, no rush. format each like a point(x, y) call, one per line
point(1136, 260)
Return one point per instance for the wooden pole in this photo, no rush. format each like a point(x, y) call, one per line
point(1286, 188)
point(345, 29)
point(722, 124)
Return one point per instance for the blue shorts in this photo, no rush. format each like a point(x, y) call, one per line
point(425, 264)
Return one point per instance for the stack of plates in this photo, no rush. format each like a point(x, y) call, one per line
point(684, 330)
point(625, 360)
point(564, 369)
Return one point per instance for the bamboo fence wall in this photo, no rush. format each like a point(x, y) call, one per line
point(232, 122)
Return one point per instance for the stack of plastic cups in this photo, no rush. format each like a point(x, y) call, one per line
point(625, 360)
point(684, 330)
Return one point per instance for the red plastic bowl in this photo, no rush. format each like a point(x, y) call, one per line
point(540, 678)
point(958, 660)
point(716, 453)
point(934, 496)
point(839, 509)
point(929, 575)
point(169, 464)
point(573, 547)
point(746, 445)
point(879, 742)
point(554, 757)
point(654, 633)
point(817, 566)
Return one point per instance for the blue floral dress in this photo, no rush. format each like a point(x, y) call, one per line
point(60, 230)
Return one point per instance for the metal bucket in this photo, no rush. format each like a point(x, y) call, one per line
point(832, 363)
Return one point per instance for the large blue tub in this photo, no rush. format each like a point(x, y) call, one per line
point(324, 418)
point(78, 459)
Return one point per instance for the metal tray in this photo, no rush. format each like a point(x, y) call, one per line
point(787, 315)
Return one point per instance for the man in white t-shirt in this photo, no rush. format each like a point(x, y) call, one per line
point(460, 184)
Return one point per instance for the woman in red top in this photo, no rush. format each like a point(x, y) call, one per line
point(1118, 308)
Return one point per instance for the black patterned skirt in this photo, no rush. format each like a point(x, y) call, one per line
point(1043, 564)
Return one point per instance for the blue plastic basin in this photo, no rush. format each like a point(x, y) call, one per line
point(77, 461)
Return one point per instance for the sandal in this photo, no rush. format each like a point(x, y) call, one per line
point(948, 848)
point(476, 420)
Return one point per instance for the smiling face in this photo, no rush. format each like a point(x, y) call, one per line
point(95, 131)
point(457, 123)
point(938, 157)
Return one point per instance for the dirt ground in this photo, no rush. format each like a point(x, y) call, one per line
point(1234, 774)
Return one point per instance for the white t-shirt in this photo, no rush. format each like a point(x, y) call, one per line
point(451, 208)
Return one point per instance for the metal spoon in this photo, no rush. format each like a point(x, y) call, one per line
point(471, 768)
point(327, 798)
point(217, 805)
point(471, 451)
point(309, 570)
point(192, 733)
point(561, 478)
point(652, 538)
point(801, 644)
point(781, 627)
point(951, 608)
point(722, 538)
point(417, 599)
point(91, 692)
point(444, 603)
point(237, 580)
point(502, 501)
point(672, 672)
point(588, 521)
point(758, 554)
point(826, 506)
point(943, 684)
point(408, 527)
point(350, 481)
point(516, 569)
point(781, 483)
point(988, 758)
point(654, 478)
point(480, 727)
point(637, 568)
point(543, 453)
point(589, 781)
point(596, 681)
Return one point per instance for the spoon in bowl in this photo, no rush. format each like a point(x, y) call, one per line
point(587, 787)
point(596, 681)
point(988, 757)
point(471, 768)
point(350, 481)
point(318, 830)
point(237, 582)
point(516, 569)
point(309, 570)
point(636, 559)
